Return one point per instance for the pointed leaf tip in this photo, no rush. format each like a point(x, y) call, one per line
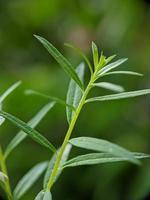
point(64, 63)
point(110, 86)
point(9, 91)
point(95, 54)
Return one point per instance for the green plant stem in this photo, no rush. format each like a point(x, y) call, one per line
point(69, 132)
point(3, 167)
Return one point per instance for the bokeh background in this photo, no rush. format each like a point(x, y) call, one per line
point(117, 26)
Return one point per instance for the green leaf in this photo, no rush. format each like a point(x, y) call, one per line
point(102, 61)
point(65, 64)
point(95, 54)
point(35, 135)
point(109, 86)
point(111, 66)
point(32, 123)
point(29, 179)
point(51, 165)
point(99, 158)
point(8, 91)
point(122, 95)
point(3, 178)
point(57, 100)
point(44, 195)
point(110, 58)
point(79, 51)
point(103, 146)
point(2, 119)
point(74, 93)
point(123, 72)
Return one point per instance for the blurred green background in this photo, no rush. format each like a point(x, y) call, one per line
point(117, 26)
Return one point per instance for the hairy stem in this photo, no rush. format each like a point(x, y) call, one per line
point(3, 167)
point(68, 134)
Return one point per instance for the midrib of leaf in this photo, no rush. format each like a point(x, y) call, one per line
point(100, 158)
point(35, 135)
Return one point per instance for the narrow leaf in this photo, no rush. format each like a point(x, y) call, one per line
point(32, 123)
point(111, 66)
point(102, 61)
point(99, 158)
point(57, 100)
point(44, 195)
point(8, 91)
point(103, 146)
point(79, 51)
point(95, 54)
point(2, 119)
point(51, 165)
point(123, 72)
point(29, 179)
point(65, 64)
point(109, 86)
point(3, 177)
point(122, 95)
point(110, 58)
point(74, 93)
point(35, 135)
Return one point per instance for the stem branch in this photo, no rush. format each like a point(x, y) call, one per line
point(68, 134)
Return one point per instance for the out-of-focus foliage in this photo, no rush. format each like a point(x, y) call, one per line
point(120, 27)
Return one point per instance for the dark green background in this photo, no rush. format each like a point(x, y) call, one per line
point(117, 26)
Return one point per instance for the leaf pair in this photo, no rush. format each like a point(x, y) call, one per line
point(111, 66)
point(112, 153)
point(105, 70)
point(101, 145)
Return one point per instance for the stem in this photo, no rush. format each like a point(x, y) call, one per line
point(68, 134)
point(3, 167)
